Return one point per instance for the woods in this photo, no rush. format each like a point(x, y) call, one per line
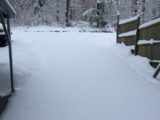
point(51, 12)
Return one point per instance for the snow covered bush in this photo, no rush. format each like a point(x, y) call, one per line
point(91, 16)
point(96, 16)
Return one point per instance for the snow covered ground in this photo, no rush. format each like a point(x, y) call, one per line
point(78, 76)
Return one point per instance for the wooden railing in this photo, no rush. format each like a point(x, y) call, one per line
point(149, 40)
point(127, 31)
point(145, 37)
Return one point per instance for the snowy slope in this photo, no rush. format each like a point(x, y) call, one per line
point(79, 76)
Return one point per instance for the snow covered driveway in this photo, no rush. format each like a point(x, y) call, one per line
point(77, 76)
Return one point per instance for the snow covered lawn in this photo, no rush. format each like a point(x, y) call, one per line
point(79, 76)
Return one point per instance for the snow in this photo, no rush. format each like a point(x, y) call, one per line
point(1, 27)
point(139, 64)
point(158, 67)
point(98, 1)
point(158, 61)
point(132, 47)
point(150, 23)
point(79, 76)
point(152, 41)
point(127, 34)
point(128, 20)
point(89, 11)
point(2, 33)
point(64, 29)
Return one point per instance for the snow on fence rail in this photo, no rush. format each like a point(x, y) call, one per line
point(150, 23)
point(145, 37)
point(146, 42)
point(130, 33)
point(121, 22)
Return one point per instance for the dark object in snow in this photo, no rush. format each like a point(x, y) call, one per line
point(157, 71)
point(4, 102)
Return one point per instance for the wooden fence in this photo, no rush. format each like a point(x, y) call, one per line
point(145, 37)
point(127, 31)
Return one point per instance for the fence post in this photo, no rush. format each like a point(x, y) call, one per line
point(118, 17)
point(137, 36)
point(157, 71)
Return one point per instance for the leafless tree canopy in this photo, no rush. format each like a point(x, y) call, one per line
point(48, 12)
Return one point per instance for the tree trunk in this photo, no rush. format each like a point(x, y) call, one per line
point(143, 10)
point(67, 13)
point(57, 11)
